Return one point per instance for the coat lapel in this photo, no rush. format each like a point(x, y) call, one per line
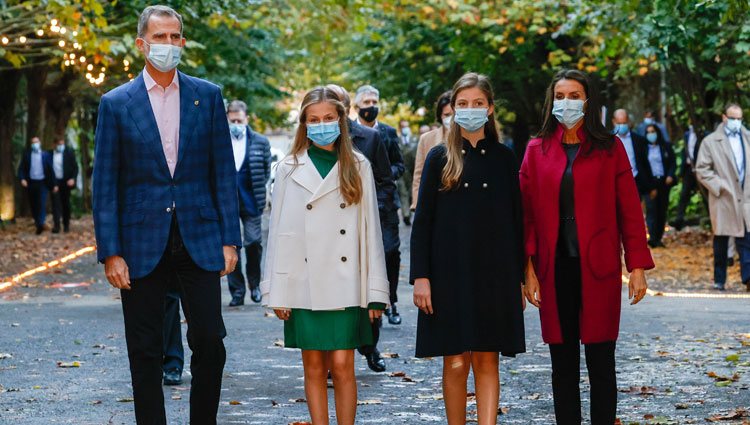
point(139, 108)
point(726, 149)
point(329, 184)
point(189, 105)
point(305, 174)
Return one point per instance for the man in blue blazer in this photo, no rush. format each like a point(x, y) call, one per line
point(252, 160)
point(35, 174)
point(165, 211)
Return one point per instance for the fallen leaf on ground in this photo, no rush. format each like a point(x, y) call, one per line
point(235, 403)
point(125, 400)
point(736, 414)
point(69, 364)
point(5, 356)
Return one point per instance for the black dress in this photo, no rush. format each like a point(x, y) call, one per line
point(469, 242)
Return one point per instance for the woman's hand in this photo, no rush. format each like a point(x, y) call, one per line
point(653, 194)
point(532, 289)
point(637, 286)
point(282, 313)
point(375, 314)
point(423, 295)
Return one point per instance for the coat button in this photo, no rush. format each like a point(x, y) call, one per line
point(484, 185)
point(343, 232)
point(343, 259)
point(463, 151)
point(343, 205)
point(305, 259)
point(466, 184)
point(482, 151)
point(309, 206)
point(169, 209)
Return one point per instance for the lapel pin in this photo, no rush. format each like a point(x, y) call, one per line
point(196, 103)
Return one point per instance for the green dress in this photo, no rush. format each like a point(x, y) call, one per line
point(327, 330)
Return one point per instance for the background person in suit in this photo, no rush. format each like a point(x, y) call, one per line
point(408, 147)
point(690, 184)
point(36, 176)
point(252, 160)
point(368, 142)
point(65, 170)
point(632, 142)
point(430, 139)
point(662, 166)
point(722, 169)
point(165, 209)
point(366, 103)
point(649, 118)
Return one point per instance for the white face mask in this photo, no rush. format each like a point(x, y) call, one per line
point(568, 111)
point(164, 57)
point(734, 125)
point(447, 121)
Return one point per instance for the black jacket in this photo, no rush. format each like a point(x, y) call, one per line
point(24, 167)
point(645, 179)
point(70, 166)
point(368, 142)
point(389, 136)
point(685, 167)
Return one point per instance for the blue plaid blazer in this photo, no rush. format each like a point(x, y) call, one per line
point(134, 193)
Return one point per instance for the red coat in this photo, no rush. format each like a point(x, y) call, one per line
point(608, 217)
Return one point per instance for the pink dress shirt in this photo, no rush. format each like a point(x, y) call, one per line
point(165, 102)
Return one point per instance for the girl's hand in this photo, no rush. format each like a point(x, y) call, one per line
point(637, 286)
point(375, 314)
point(423, 295)
point(532, 288)
point(282, 313)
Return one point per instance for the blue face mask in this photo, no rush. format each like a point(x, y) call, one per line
point(621, 129)
point(236, 130)
point(568, 111)
point(648, 121)
point(164, 57)
point(652, 137)
point(323, 134)
point(60, 148)
point(734, 125)
point(36, 146)
point(471, 119)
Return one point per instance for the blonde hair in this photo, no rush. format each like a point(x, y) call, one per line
point(454, 165)
point(350, 183)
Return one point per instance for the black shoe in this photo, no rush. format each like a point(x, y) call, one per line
point(173, 377)
point(66, 228)
point(678, 224)
point(39, 230)
point(730, 262)
point(56, 229)
point(393, 317)
point(375, 362)
point(719, 286)
point(407, 221)
point(237, 301)
point(255, 295)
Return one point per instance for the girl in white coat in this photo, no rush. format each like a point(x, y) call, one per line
point(324, 273)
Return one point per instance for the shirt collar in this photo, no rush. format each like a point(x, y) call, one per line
point(150, 82)
point(375, 126)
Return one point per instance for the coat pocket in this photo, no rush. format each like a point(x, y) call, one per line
point(290, 252)
point(208, 213)
point(131, 219)
point(603, 255)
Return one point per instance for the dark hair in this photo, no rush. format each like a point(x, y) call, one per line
point(443, 100)
point(595, 131)
point(237, 106)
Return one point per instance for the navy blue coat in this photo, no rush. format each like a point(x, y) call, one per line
point(24, 167)
point(134, 193)
point(645, 180)
point(368, 142)
point(251, 184)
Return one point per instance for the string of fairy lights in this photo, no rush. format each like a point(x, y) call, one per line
point(73, 54)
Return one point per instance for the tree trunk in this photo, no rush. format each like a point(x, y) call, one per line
point(36, 103)
point(87, 117)
point(11, 80)
point(59, 106)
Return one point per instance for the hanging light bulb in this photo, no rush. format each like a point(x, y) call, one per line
point(75, 33)
point(88, 75)
point(53, 22)
point(63, 30)
point(22, 39)
point(90, 67)
point(61, 43)
point(82, 59)
point(5, 40)
point(67, 63)
point(39, 32)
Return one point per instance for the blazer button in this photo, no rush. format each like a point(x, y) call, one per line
point(309, 206)
point(466, 184)
point(482, 151)
point(343, 205)
point(343, 232)
point(343, 259)
point(305, 260)
point(484, 185)
point(169, 209)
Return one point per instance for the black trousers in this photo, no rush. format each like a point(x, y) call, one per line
point(61, 204)
point(656, 211)
point(143, 308)
point(566, 357)
point(38, 201)
point(174, 352)
point(236, 282)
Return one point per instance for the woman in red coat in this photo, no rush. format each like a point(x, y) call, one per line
point(580, 206)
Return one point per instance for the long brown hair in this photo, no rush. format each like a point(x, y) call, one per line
point(454, 166)
point(350, 183)
point(592, 124)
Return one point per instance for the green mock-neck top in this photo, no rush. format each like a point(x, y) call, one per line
point(322, 159)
